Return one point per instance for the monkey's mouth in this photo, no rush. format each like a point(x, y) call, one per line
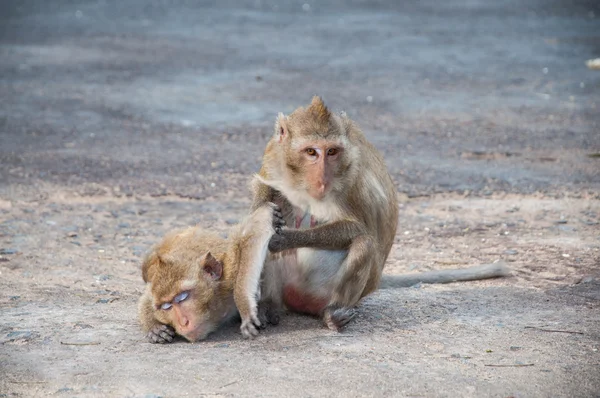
point(198, 334)
point(319, 194)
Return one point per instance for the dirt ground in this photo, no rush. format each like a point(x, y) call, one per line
point(121, 121)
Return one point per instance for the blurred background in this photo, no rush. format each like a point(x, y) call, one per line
point(179, 97)
point(120, 120)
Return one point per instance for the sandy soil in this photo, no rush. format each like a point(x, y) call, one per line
point(121, 121)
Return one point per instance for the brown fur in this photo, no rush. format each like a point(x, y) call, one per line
point(214, 271)
point(341, 259)
point(358, 212)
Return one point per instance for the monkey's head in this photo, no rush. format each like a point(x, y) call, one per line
point(313, 149)
point(185, 286)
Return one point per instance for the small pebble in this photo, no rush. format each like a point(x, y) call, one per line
point(510, 251)
point(20, 334)
point(586, 279)
point(106, 301)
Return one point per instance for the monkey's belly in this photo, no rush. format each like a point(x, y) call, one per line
point(308, 279)
point(302, 302)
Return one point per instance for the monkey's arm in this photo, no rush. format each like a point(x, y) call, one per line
point(156, 332)
point(254, 235)
point(336, 235)
point(478, 272)
point(262, 193)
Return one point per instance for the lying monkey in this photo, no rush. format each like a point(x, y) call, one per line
point(197, 281)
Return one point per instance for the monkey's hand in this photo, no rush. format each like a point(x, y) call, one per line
point(278, 220)
point(250, 325)
point(279, 242)
point(161, 334)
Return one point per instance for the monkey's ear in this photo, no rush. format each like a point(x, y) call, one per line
point(212, 267)
point(149, 266)
point(281, 128)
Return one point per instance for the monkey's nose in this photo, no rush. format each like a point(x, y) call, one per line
point(184, 322)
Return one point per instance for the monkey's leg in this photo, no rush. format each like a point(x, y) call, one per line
point(271, 305)
point(351, 282)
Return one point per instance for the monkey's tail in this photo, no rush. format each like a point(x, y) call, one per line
point(477, 272)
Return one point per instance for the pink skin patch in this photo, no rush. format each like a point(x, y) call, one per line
point(305, 221)
point(302, 303)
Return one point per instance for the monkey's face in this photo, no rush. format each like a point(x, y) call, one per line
point(318, 163)
point(188, 312)
point(314, 144)
point(187, 296)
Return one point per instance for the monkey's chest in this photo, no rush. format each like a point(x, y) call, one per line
point(304, 220)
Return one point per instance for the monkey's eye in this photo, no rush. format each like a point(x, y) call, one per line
point(181, 297)
point(332, 151)
point(166, 306)
point(311, 152)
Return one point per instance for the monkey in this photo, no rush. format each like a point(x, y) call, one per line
point(340, 202)
point(324, 179)
point(197, 280)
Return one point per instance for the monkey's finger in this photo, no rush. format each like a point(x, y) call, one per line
point(248, 330)
point(257, 322)
point(166, 336)
point(274, 206)
point(155, 338)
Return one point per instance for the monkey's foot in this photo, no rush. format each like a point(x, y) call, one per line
point(268, 314)
point(337, 317)
point(161, 334)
